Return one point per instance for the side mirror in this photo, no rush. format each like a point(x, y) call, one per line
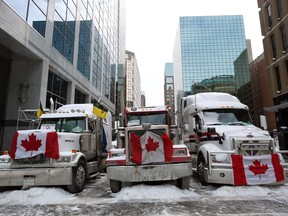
point(172, 135)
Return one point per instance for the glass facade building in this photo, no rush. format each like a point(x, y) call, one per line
point(72, 51)
point(98, 47)
point(169, 87)
point(210, 54)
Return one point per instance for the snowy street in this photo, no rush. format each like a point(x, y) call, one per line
point(143, 199)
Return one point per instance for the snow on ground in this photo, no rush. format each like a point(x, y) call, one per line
point(162, 193)
point(139, 193)
point(37, 195)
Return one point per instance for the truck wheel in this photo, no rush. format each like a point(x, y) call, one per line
point(79, 178)
point(183, 183)
point(200, 170)
point(115, 186)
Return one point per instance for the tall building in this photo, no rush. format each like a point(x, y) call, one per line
point(210, 54)
point(70, 51)
point(274, 25)
point(169, 86)
point(261, 92)
point(133, 81)
point(143, 98)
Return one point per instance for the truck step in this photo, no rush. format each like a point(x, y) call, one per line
point(94, 176)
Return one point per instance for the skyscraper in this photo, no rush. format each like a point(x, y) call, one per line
point(70, 51)
point(133, 80)
point(169, 86)
point(210, 54)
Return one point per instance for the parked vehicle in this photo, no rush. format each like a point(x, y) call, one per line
point(146, 152)
point(66, 149)
point(225, 146)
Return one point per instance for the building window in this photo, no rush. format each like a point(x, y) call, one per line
point(273, 46)
point(283, 37)
point(79, 97)
point(32, 11)
point(64, 28)
point(278, 78)
point(269, 15)
point(57, 90)
point(279, 8)
point(286, 64)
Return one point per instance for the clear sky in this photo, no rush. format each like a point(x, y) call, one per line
point(151, 27)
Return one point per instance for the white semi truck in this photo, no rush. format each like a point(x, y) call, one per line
point(218, 130)
point(145, 151)
point(66, 150)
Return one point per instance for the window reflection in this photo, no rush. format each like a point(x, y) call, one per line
point(35, 15)
point(19, 6)
point(64, 29)
point(35, 19)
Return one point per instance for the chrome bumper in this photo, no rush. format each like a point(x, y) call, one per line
point(35, 177)
point(144, 173)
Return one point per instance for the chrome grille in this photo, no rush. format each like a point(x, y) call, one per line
point(38, 159)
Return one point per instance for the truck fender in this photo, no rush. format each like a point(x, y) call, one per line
point(79, 155)
point(208, 147)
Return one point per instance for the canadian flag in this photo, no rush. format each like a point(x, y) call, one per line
point(256, 170)
point(151, 148)
point(29, 143)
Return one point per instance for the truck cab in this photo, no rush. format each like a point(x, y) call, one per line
point(217, 127)
point(66, 149)
point(146, 151)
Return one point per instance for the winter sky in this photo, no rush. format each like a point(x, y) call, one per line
point(151, 29)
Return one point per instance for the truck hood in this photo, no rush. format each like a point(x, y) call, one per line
point(250, 131)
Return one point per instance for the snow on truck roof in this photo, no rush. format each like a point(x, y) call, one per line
point(71, 110)
point(212, 100)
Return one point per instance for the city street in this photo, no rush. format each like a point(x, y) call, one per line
point(143, 199)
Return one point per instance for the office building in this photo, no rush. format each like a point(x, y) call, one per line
point(274, 26)
point(133, 81)
point(70, 51)
point(261, 86)
point(210, 54)
point(169, 87)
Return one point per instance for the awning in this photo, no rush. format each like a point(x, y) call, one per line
point(276, 108)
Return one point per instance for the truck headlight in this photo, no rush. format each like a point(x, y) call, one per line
point(221, 158)
point(180, 152)
point(64, 159)
point(5, 159)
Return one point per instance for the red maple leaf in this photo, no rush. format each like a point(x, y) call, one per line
point(258, 168)
point(32, 144)
point(151, 146)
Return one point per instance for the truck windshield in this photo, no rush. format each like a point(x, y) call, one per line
point(157, 118)
point(74, 125)
point(227, 117)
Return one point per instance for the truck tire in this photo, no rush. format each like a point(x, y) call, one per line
point(115, 186)
point(79, 178)
point(200, 170)
point(183, 183)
